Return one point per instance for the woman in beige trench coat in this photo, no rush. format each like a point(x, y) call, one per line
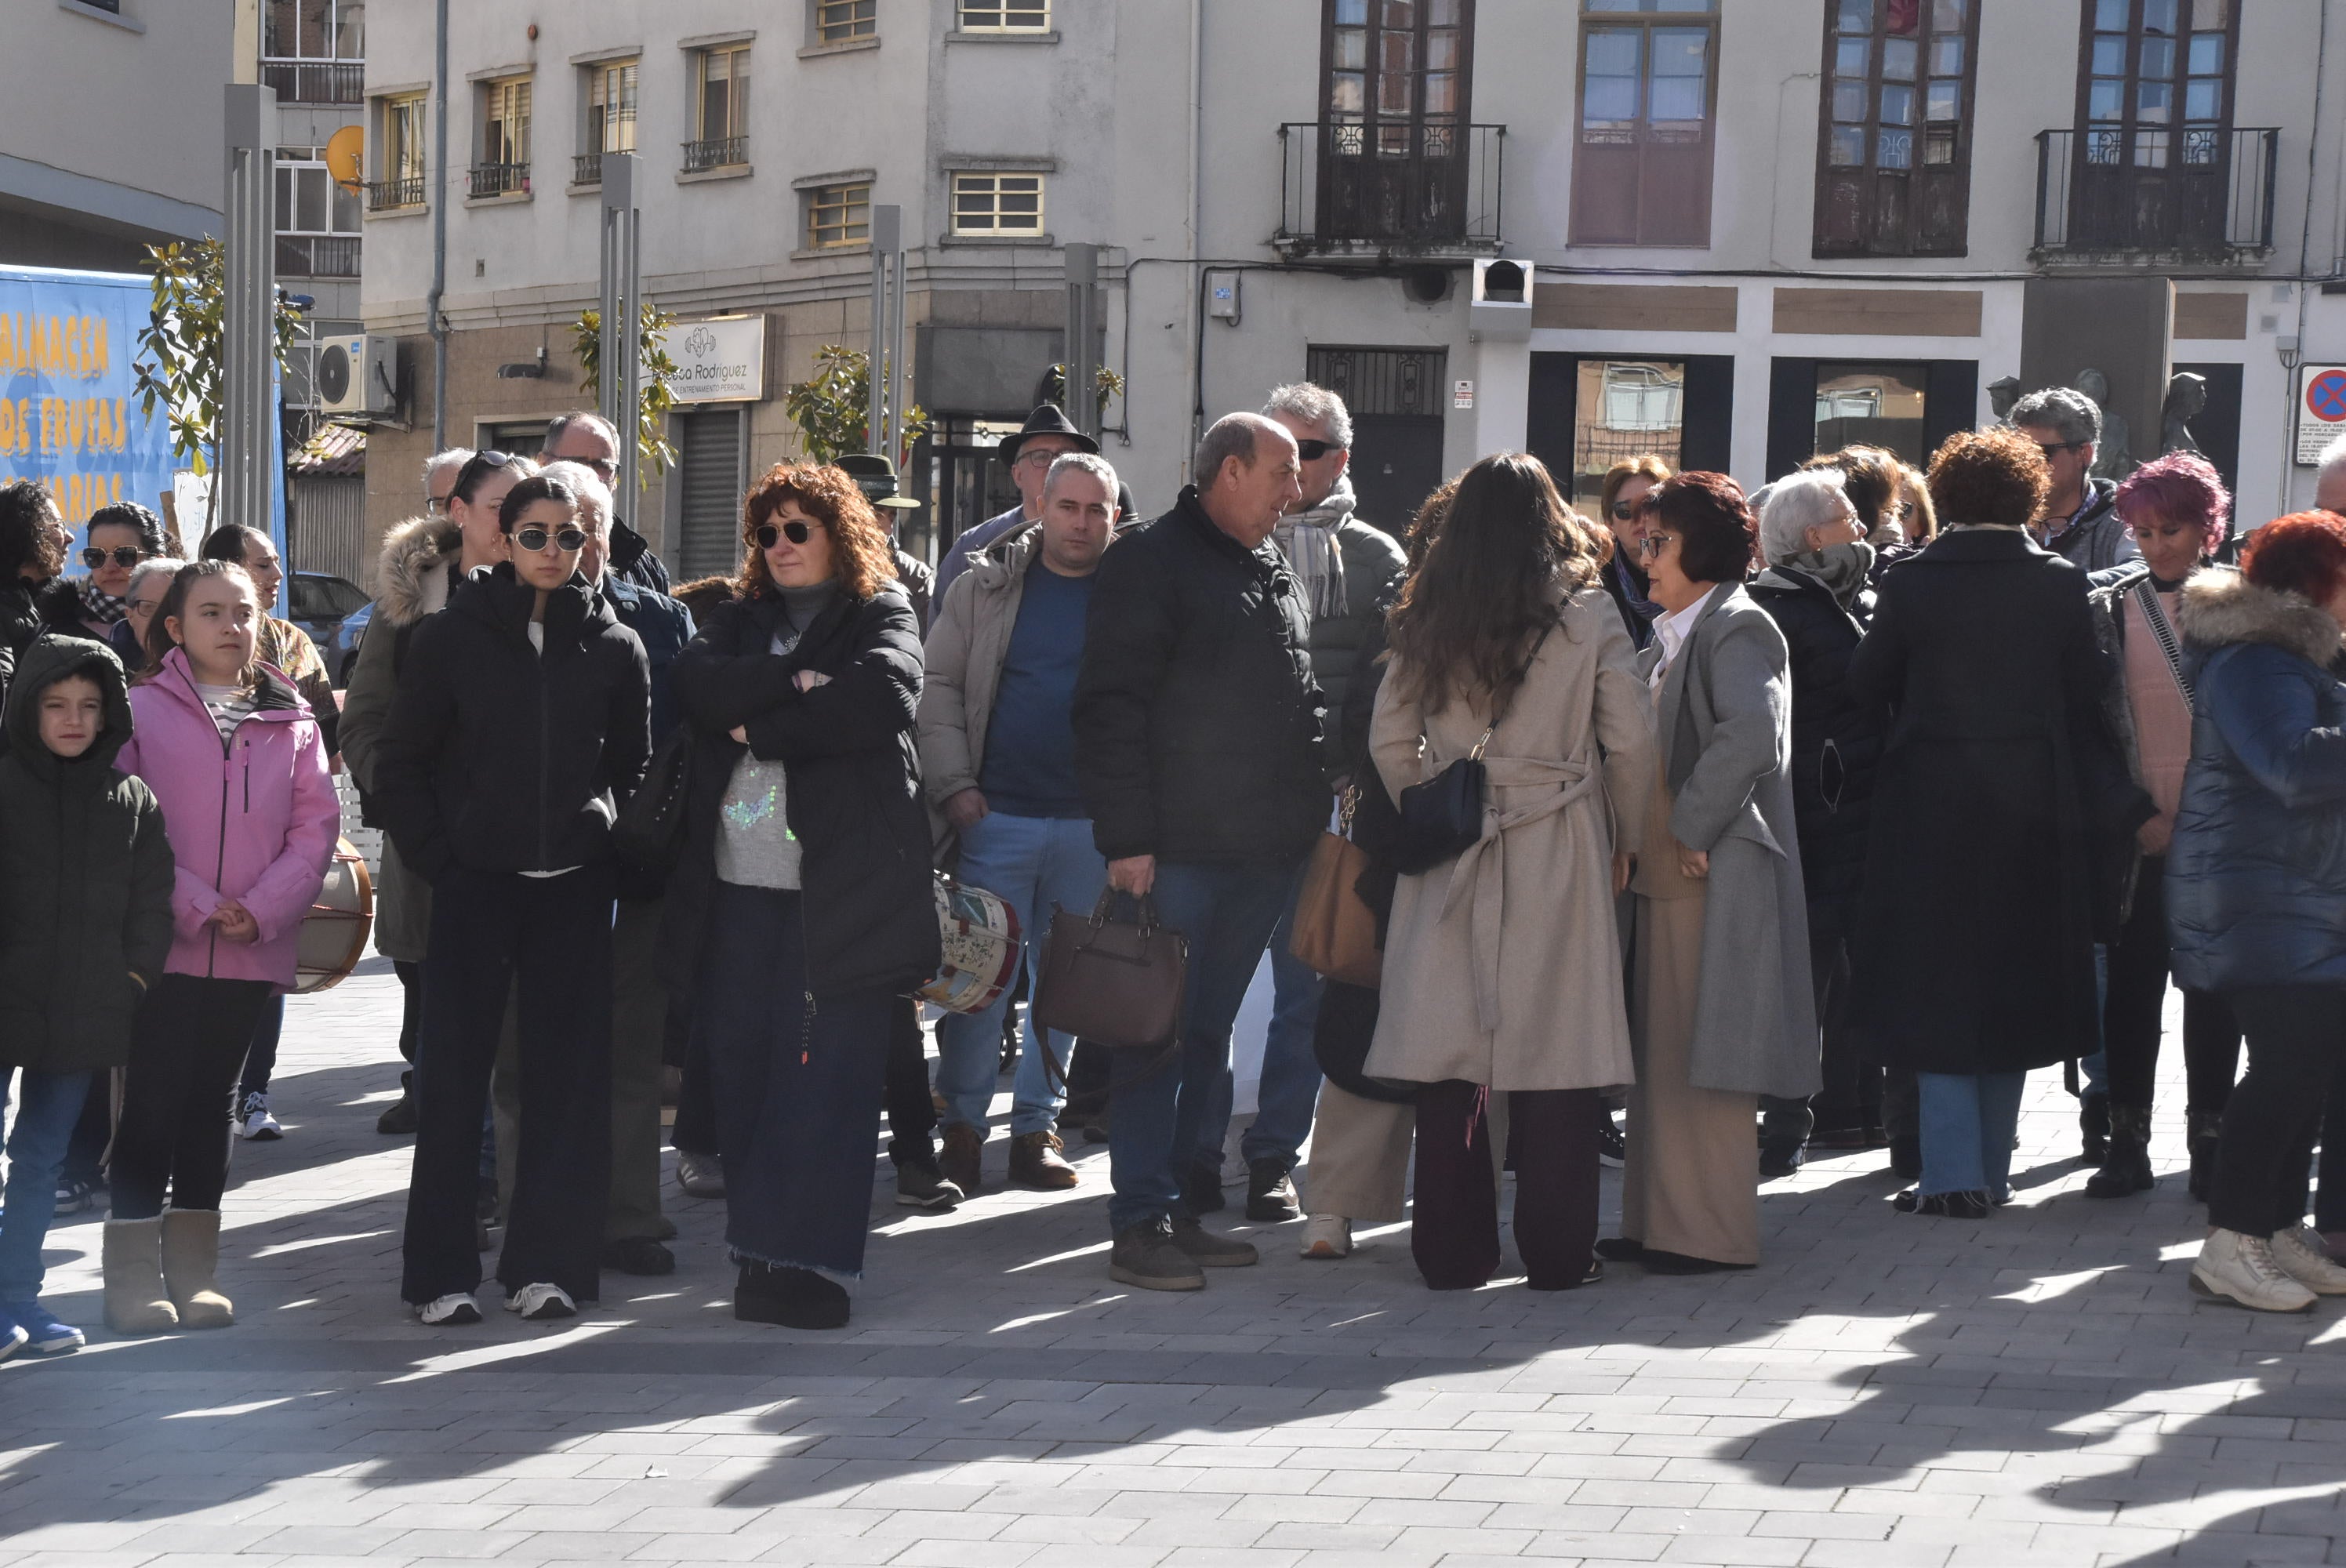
point(1503, 966)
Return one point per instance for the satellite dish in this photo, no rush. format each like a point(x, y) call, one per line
point(346, 156)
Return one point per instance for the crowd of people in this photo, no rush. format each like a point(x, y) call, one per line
point(1810, 819)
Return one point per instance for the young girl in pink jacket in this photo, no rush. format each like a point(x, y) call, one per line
point(233, 754)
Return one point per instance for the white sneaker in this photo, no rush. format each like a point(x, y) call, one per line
point(13, 1339)
point(1327, 1236)
point(2240, 1268)
point(449, 1310)
point(538, 1302)
point(253, 1120)
point(2299, 1253)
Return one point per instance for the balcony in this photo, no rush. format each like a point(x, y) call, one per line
point(317, 255)
point(487, 179)
point(2202, 194)
point(716, 152)
point(390, 195)
point(587, 168)
point(1351, 186)
point(316, 81)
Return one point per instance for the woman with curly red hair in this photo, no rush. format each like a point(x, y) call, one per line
point(2256, 889)
point(802, 907)
point(1974, 962)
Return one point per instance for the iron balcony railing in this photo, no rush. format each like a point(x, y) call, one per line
point(317, 255)
point(715, 152)
point(316, 81)
point(2201, 190)
point(587, 168)
point(1407, 186)
point(384, 195)
point(499, 179)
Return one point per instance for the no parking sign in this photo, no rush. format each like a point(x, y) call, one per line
point(2320, 409)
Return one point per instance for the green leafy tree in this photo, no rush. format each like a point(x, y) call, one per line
point(832, 407)
point(655, 455)
point(182, 362)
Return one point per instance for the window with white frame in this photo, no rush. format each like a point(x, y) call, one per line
point(720, 98)
point(839, 215)
point(400, 170)
point(986, 205)
point(842, 21)
point(1006, 15)
point(611, 107)
point(505, 121)
point(317, 219)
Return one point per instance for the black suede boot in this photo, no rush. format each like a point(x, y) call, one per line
point(2094, 1127)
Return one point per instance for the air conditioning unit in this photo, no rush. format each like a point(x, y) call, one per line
point(356, 374)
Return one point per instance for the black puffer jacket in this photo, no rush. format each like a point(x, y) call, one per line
point(1196, 717)
point(497, 759)
point(853, 800)
point(1836, 738)
point(86, 876)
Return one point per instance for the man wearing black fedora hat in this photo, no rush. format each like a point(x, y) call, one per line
point(1028, 452)
point(875, 475)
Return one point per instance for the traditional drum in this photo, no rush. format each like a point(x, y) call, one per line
point(980, 936)
point(333, 934)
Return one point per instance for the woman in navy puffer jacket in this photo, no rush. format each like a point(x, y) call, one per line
point(2256, 887)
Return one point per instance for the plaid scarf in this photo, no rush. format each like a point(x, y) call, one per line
point(100, 606)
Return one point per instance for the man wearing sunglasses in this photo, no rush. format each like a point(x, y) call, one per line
point(2080, 521)
point(586, 438)
point(1048, 434)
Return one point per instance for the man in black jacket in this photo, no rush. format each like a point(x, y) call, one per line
point(519, 726)
point(588, 438)
point(1198, 750)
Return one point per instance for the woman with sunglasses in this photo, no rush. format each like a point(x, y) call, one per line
point(802, 907)
point(1621, 508)
point(521, 722)
point(120, 537)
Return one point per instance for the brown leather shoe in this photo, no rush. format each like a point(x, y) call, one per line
point(958, 1159)
point(1034, 1162)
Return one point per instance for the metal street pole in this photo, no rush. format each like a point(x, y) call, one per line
point(1082, 357)
point(887, 246)
point(248, 447)
point(621, 386)
point(434, 321)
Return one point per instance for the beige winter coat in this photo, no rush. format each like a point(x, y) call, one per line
point(1502, 967)
point(411, 582)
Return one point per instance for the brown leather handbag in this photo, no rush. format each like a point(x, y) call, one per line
point(1113, 981)
point(1335, 932)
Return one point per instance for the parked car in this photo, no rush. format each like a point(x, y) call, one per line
point(323, 604)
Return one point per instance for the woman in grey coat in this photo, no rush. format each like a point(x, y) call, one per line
point(1721, 1008)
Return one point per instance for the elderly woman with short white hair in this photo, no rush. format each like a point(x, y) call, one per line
point(1815, 589)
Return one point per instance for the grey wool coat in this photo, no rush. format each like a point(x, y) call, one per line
point(1725, 721)
point(1502, 967)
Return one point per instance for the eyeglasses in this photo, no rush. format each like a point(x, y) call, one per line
point(477, 467)
point(602, 467)
point(2055, 449)
point(142, 606)
point(1650, 546)
point(569, 538)
point(123, 555)
point(1314, 450)
point(795, 533)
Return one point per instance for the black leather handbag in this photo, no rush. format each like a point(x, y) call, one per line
point(649, 832)
point(1441, 818)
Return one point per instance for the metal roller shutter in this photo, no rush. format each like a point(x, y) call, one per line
point(708, 466)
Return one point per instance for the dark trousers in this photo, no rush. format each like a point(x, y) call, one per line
point(2137, 998)
point(912, 1113)
point(190, 1039)
point(260, 1059)
point(798, 1083)
point(410, 1018)
point(545, 941)
point(2296, 1034)
point(85, 1151)
point(695, 1132)
point(1454, 1231)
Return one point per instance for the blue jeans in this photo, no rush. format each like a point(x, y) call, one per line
point(1290, 1090)
point(1968, 1120)
point(1227, 913)
point(1031, 863)
point(47, 1106)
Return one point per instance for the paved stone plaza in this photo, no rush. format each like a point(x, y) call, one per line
point(1884, 1391)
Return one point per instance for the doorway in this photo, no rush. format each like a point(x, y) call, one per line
point(1396, 399)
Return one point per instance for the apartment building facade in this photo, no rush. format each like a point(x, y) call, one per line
point(1751, 229)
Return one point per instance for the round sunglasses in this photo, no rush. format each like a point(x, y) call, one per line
point(570, 539)
point(795, 531)
point(123, 555)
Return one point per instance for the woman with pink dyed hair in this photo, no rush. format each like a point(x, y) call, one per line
point(2179, 516)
